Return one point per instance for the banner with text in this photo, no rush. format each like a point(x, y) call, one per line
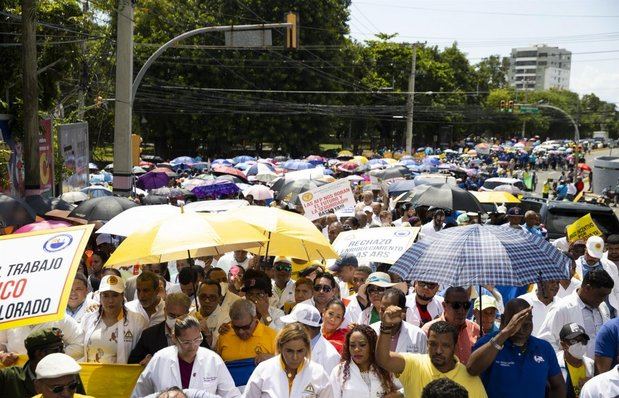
point(36, 274)
point(328, 198)
point(383, 245)
point(583, 228)
point(46, 155)
point(73, 144)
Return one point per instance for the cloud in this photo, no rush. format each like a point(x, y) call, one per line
point(602, 82)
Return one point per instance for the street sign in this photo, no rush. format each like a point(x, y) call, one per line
point(528, 109)
point(249, 38)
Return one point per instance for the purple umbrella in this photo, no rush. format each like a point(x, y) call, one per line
point(215, 188)
point(152, 180)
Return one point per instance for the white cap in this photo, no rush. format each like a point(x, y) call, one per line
point(304, 313)
point(595, 246)
point(57, 365)
point(112, 283)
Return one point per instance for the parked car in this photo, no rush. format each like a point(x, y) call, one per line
point(492, 183)
point(556, 215)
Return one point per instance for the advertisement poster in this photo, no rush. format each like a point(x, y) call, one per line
point(73, 145)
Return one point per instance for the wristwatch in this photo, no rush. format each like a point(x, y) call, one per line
point(495, 344)
point(268, 320)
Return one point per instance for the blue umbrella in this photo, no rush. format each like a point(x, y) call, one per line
point(259, 168)
point(482, 254)
point(399, 187)
point(222, 162)
point(181, 160)
point(297, 165)
point(244, 165)
point(243, 159)
point(97, 191)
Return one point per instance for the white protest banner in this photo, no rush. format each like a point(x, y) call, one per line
point(383, 245)
point(320, 201)
point(36, 274)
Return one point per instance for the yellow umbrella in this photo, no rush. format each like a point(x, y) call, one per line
point(185, 235)
point(360, 160)
point(390, 161)
point(345, 154)
point(289, 234)
point(495, 197)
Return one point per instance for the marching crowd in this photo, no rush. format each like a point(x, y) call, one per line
point(240, 325)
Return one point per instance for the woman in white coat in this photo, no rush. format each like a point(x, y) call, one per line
point(291, 374)
point(186, 365)
point(113, 331)
point(358, 375)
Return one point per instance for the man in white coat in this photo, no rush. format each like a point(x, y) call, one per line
point(610, 262)
point(148, 304)
point(585, 307)
point(186, 365)
point(405, 336)
point(323, 352)
point(423, 304)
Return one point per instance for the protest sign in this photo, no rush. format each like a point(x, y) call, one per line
point(582, 228)
point(36, 274)
point(384, 245)
point(73, 143)
point(320, 201)
point(109, 380)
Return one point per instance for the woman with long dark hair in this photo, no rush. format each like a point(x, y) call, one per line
point(358, 375)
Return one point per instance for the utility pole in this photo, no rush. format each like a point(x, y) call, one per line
point(411, 103)
point(122, 115)
point(81, 94)
point(30, 94)
point(526, 101)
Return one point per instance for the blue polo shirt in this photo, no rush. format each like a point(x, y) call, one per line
point(607, 340)
point(517, 374)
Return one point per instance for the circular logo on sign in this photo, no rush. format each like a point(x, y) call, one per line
point(44, 169)
point(57, 243)
point(307, 197)
point(401, 233)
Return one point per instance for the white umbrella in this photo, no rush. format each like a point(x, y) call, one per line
point(216, 206)
point(508, 188)
point(74, 197)
point(307, 174)
point(259, 192)
point(132, 219)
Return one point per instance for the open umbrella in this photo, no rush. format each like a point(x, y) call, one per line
point(216, 206)
point(186, 160)
point(137, 170)
point(259, 192)
point(297, 165)
point(289, 234)
point(289, 191)
point(42, 226)
point(170, 173)
point(155, 200)
point(482, 254)
point(103, 209)
point(97, 191)
point(449, 197)
point(130, 220)
point(401, 186)
point(221, 170)
point(185, 235)
point(391, 172)
point(348, 167)
point(74, 197)
point(15, 211)
point(152, 180)
point(92, 166)
point(243, 159)
point(215, 188)
point(345, 155)
point(42, 205)
point(584, 166)
point(221, 162)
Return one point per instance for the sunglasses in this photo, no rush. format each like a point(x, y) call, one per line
point(427, 285)
point(375, 290)
point(457, 305)
point(323, 288)
point(283, 267)
point(59, 389)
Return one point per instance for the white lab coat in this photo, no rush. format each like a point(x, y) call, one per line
point(355, 386)
point(129, 330)
point(325, 355)
point(353, 310)
point(571, 288)
point(276, 314)
point(411, 339)
point(567, 310)
point(209, 374)
point(269, 381)
point(610, 267)
point(81, 312)
point(155, 319)
point(435, 308)
point(72, 336)
point(217, 318)
point(286, 296)
point(589, 365)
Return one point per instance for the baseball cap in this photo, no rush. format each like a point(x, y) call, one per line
point(112, 283)
point(571, 331)
point(514, 211)
point(56, 365)
point(486, 302)
point(282, 259)
point(43, 338)
point(346, 259)
point(304, 313)
point(595, 246)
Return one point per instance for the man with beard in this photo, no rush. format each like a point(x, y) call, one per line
point(435, 226)
point(512, 363)
point(542, 301)
point(423, 304)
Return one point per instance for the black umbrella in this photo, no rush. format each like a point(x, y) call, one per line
point(392, 172)
point(42, 205)
point(399, 187)
point(15, 211)
point(103, 208)
point(449, 197)
point(155, 200)
point(292, 189)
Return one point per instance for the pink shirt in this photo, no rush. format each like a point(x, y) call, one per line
point(469, 333)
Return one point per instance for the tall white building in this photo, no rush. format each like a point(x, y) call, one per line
point(540, 68)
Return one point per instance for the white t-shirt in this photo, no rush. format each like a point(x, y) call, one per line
point(427, 230)
point(227, 261)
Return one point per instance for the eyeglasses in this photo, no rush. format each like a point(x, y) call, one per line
point(245, 328)
point(427, 285)
point(456, 305)
point(375, 290)
point(197, 341)
point(323, 288)
point(283, 267)
point(58, 389)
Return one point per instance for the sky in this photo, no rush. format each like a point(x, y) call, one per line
point(587, 28)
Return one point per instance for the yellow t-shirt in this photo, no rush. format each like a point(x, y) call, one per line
point(419, 371)
point(76, 395)
point(232, 348)
point(576, 374)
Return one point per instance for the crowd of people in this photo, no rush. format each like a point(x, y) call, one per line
point(245, 325)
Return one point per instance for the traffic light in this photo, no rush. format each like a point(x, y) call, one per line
point(136, 141)
point(292, 32)
point(502, 106)
point(510, 107)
